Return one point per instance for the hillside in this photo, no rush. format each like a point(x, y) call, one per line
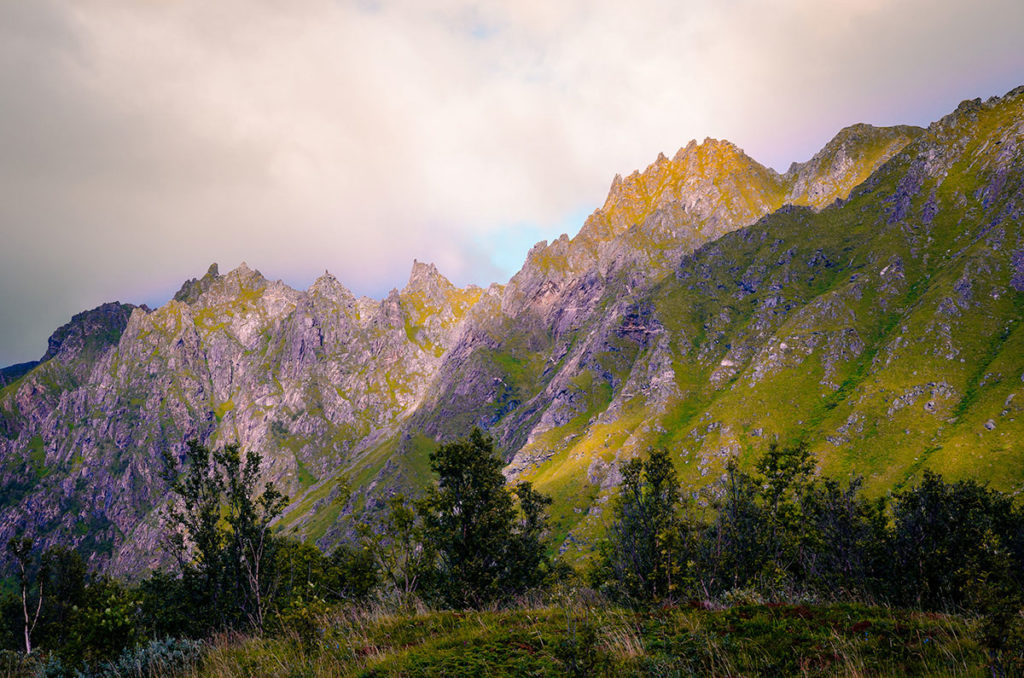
point(867, 301)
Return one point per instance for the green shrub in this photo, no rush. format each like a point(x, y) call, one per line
point(156, 658)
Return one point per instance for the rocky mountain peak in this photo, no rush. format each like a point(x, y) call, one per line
point(240, 284)
point(193, 288)
point(244, 274)
point(424, 274)
point(845, 161)
point(950, 136)
point(693, 180)
point(428, 286)
point(330, 287)
point(967, 112)
point(86, 334)
point(651, 218)
point(711, 158)
point(90, 330)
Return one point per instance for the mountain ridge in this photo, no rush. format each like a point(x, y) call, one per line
point(692, 300)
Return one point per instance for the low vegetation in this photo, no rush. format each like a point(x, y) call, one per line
point(772, 571)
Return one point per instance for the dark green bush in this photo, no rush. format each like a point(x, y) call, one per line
point(160, 657)
point(952, 540)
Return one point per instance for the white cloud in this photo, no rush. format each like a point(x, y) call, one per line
point(140, 141)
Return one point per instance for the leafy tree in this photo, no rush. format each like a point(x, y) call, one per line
point(12, 635)
point(304, 573)
point(351, 573)
point(104, 624)
point(843, 539)
point(784, 473)
point(732, 546)
point(399, 549)
point(221, 530)
point(949, 537)
point(307, 581)
point(197, 538)
point(249, 517)
point(470, 522)
point(759, 531)
point(648, 551)
point(169, 606)
point(66, 584)
point(528, 559)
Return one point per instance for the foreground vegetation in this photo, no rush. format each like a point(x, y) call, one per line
point(767, 573)
point(596, 639)
point(576, 634)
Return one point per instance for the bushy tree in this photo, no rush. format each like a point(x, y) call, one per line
point(950, 540)
point(844, 541)
point(482, 551)
point(303, 572)
point(221, 530)
point(732, 547)
point(308, 582)
point(759, 535)
point(12, 638)
point(527, 559)
point(104, 625)
point(66, 582)
point(784, 474)
point(648, 552)
point(401, 554)
point(172, 606)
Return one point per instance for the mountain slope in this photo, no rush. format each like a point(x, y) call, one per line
point(884, 332)
point(298, 376)
point(867, 301)
point(793, 327)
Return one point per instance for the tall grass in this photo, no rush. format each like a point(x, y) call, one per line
point(582, 634)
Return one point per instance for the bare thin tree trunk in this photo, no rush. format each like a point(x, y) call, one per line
point(253, 561)
point(28, 638)
point(30, 625)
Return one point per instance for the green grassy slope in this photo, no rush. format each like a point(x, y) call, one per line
point(884, 331)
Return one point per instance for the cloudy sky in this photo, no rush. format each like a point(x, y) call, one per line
point(139, 142)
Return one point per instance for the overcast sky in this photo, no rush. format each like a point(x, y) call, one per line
point(139, 142)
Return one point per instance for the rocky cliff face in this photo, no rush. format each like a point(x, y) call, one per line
point(867, 301)
point(301, 377)
point(882, 330)
point(567, 306)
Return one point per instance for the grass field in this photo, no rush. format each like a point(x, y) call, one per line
point(592, 638)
